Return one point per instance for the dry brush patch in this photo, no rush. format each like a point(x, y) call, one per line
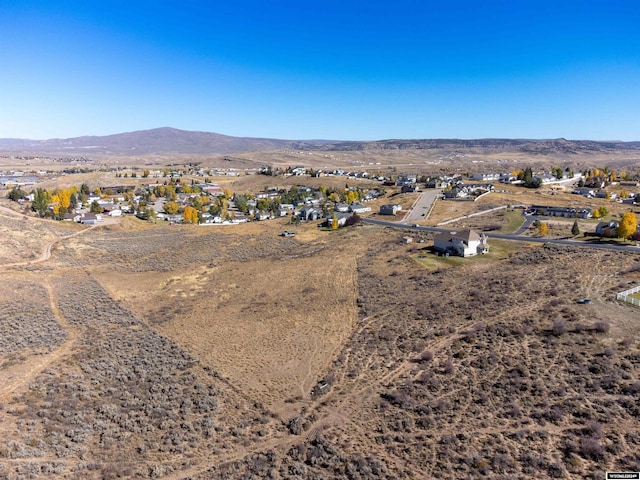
point(128, 402)
point(27, 323)
point(489, 371)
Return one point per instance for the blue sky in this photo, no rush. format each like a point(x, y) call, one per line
point(307, 69)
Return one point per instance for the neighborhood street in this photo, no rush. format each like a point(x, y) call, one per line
point(422, 206)
point(511, 237)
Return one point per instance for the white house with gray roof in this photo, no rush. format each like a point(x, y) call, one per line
point(465, 243)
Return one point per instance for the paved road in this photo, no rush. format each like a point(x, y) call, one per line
point(528, 220)
point(512, 237)
point(422, 206)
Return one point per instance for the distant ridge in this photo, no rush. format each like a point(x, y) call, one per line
point(163, 140)
point(489, 145)
point(166, 140)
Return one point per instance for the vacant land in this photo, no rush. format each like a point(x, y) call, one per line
point(155, 351)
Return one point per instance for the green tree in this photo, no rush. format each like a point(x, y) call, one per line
point(575, 229)
point(628, 225)
point(96, 208)
point(16, 194)
point(40, 201)
point(602, 212)
point(241, 203)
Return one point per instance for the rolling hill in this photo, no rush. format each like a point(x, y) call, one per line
point(174, 141)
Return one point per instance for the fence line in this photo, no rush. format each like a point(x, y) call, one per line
point(625, 296)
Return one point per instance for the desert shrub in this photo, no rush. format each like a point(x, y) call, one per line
point(591, 448)
point(447, 367)
point(426, 356)
point(601, 327)
point(559, 327)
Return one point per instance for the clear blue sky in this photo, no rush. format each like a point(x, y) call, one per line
point(333, 69)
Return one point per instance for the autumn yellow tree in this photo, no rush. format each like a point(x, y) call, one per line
point(334, 222)
point(190, 215)
point(334, 197)
point(64, 196)
point(55, 200)
point(352, 196)
point(543, 229)
point(627, 226)
point(170, 207)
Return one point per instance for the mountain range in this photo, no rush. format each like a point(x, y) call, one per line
point(163, 141)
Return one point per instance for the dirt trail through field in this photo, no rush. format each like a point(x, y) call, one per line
point(46, 252)
point(18, 376)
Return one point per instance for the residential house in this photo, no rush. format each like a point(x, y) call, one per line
point(485, 176)
point(410, 188)
point(567, 212)
point(341, 217)
point(310, 213)
point(456, 192)
point(436, 183)
point(584, 191)
point(262, 215)
point(213, 218)
point(607, 229)
point(464, 244)
point(390, 208)
point(212, 189)
point(406, 180)
point(284, 209)
point(89, 218)
point(507, 178)
point(341, 207)
point(359, 208)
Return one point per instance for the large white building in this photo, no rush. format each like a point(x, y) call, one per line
point(464, 243)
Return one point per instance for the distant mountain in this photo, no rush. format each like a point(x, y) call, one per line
point(173, 141)
point(487, 145)
point(156, 141)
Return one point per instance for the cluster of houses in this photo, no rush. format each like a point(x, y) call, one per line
point(312, 206)
point(17, 179)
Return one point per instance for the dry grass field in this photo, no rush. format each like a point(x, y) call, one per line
point(136, 350)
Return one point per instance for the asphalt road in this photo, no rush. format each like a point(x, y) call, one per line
point(422, 205)
point(511, 237)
